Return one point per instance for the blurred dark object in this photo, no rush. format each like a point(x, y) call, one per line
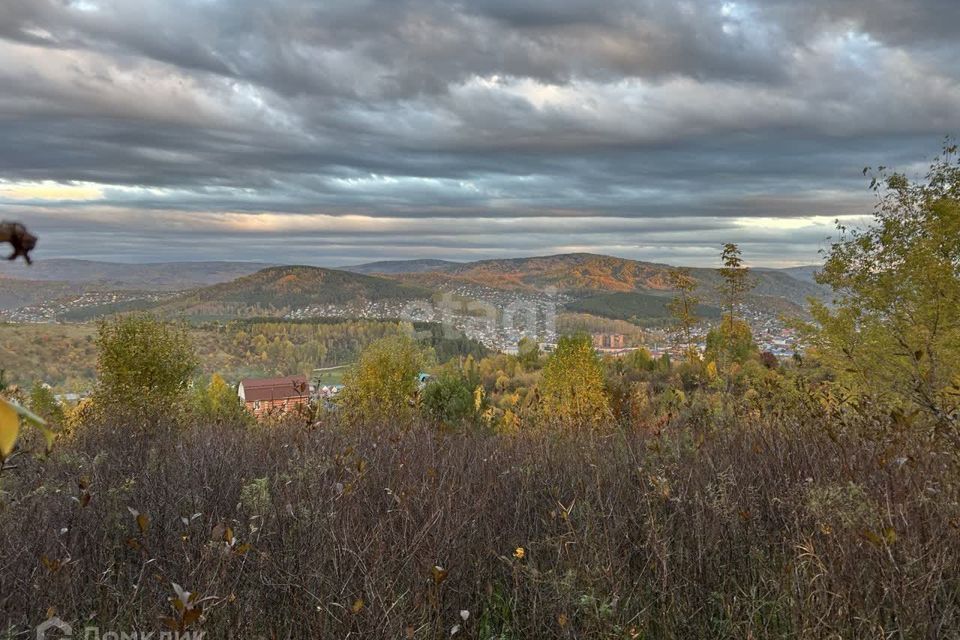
point(19, 238)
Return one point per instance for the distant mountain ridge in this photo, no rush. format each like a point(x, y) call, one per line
point(226, 289)
point(159, 276)
point(804, 273)
point(587, 274)
point(402, 266)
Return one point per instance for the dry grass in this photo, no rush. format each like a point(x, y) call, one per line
point(767, 530)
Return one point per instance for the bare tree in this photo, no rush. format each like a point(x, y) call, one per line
point(684, 304)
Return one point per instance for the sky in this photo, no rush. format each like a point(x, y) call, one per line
point(341, 131)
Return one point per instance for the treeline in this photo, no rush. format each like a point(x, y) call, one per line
point(643, 309)
point(286, 347)
point(64, 356)
point(278, 347)
point(572, 323)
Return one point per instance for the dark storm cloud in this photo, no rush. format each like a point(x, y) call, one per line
point(343, 130)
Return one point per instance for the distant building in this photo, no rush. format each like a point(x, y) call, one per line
point(273, 395)
point(71, 398)
point(609, 341)
point(328, 390)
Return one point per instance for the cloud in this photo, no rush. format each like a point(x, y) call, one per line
point(349, 130)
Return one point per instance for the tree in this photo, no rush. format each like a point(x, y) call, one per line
point(734, 286)
point(640, 360)
point(684, 304)
point(449, 399)
point(735, 282)
point(572, 387)
point(219, 403)
point(528, 351)
point(144, 364)
point(44, 404)
point(730, 343)
point(381, 387)
point(894, 326)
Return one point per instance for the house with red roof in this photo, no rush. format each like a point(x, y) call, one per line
point(273, 395)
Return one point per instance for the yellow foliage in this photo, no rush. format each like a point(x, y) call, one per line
point(711, 370)
point(478, 397)
point(9, 428)
point(10, 414)
point(573, 384)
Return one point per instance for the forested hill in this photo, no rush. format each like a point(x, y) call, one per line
point(585, 274)
point(16, 293)
point(280, 289)
point(229, 288)
point(641, 308)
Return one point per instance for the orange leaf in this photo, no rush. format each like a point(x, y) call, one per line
point(439, 574)
point(192, 615)
point(52, 565)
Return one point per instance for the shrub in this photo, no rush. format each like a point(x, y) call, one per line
point(448, 399)
point(353, 531)
point(572, 386)
point(218, 402)
point(144, 365)
point(382, 386)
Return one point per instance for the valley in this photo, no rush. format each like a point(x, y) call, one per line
point(493, 303)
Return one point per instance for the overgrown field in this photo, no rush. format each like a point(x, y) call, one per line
point(768, 527)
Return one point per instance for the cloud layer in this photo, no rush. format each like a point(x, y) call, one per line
point(339, 131)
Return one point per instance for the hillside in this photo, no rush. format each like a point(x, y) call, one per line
point(277, 290)
point(159, 276)
point(804, 273)
point(641, 308)
point(15, 293)
point(230, 287)
point(587, 275)
point(574, 272)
